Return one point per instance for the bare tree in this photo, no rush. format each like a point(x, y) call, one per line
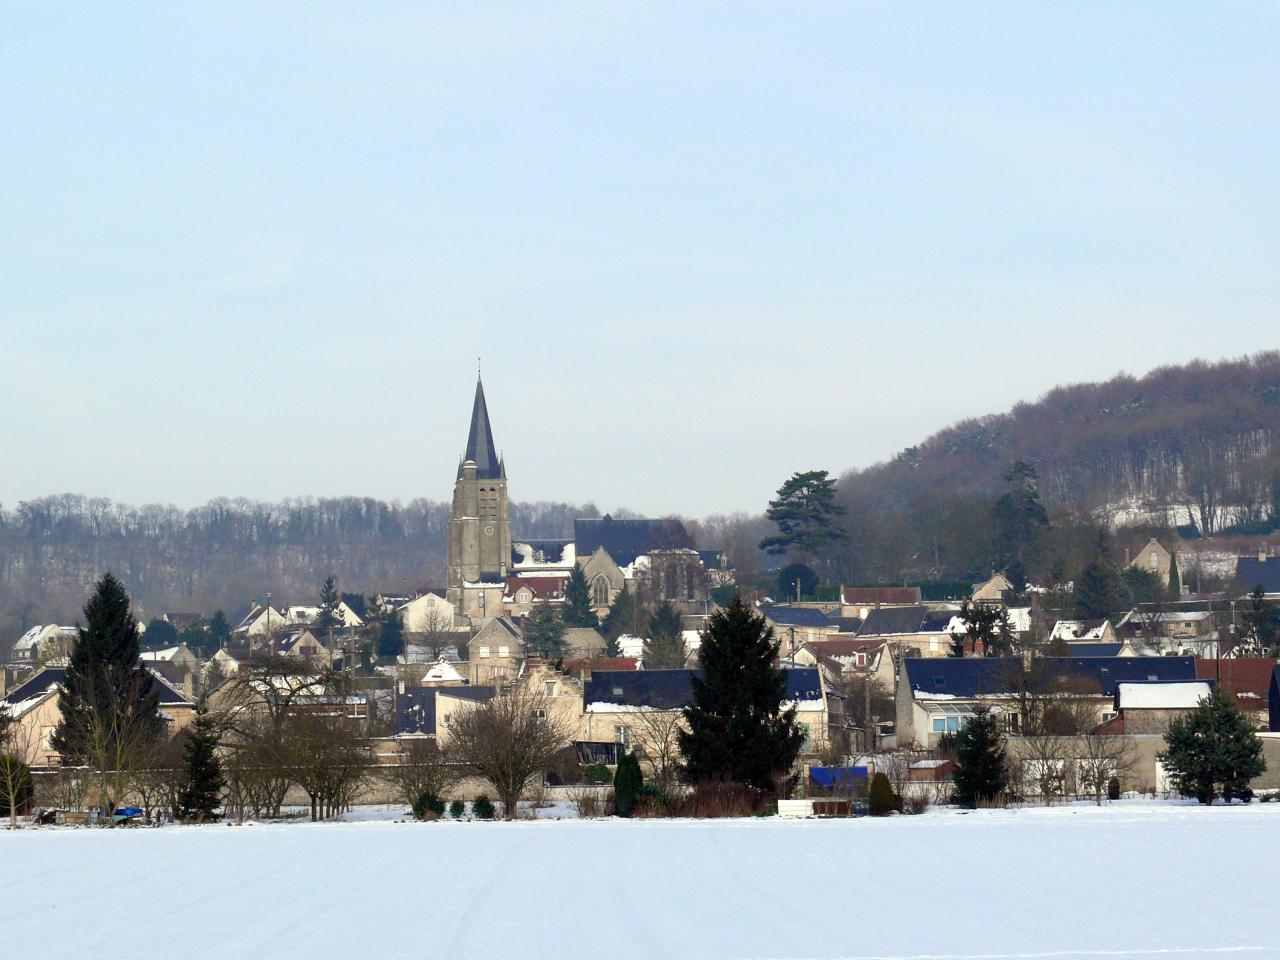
point(19, 746)
point(508, 741)
point(656, 739)
point(436, 634)
point(326, 758)
point(159, 776)
point(1044, 766)
point(1099, 758)
point(421, 767)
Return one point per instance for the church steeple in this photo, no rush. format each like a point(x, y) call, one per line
point(480, 447)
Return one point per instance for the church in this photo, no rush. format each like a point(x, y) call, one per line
point(493, 573)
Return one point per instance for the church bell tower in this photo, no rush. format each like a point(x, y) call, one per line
point(480, 528)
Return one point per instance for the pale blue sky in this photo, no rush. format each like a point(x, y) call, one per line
point(254, 249)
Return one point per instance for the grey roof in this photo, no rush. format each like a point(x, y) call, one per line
point(967, 677)
point(1252, 572)
point(49, 676)
point(673, 689)
point(624, 540)
point(416, 707)
point(889, 620)
point(480, 447)
point(1094, 649)
point(796, 616)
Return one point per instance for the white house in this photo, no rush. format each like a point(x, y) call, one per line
point(426, 613)
point(42, 642)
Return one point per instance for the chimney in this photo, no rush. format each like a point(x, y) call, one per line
point(1262, 553)
point(1126, 556)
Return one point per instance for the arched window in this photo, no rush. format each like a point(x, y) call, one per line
point(688, 577)
point(672, 582)
point(600, 591)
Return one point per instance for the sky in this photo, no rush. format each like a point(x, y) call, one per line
point(256, 249)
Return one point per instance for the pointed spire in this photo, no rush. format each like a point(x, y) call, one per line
point(480, 447)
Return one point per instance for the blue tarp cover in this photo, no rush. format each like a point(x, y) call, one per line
point(836, 776)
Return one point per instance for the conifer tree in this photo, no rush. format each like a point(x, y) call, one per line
point(1175, 579)
point(544, 632)
point(982, 773)
point(1097, 589)
point(1258, 637)
point(738, 730)
point(329, 618)
point(1213, 751)
point(628, 782)
point(104, 687)
point(805, 512)
point(577, 601)
point(391, 635)
point(626, 616)
point(201, 792)
point(219, 630)
point(664, 648)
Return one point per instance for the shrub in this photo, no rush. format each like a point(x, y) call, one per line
point(722, 799)
point(428, 803)
point(457, 809)
point(882, 801)
point(588, 801)
point(1113, 789)
point(628, 782)
point(482, 808)
point(596, 773)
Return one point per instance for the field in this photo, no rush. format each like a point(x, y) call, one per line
point(1130, 880)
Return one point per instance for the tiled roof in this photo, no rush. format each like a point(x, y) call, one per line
point(1253, 572)
point(480, 447)
point(969, 677)
point(542, 588)
point(1245, 678)
point(870, 596)
point(673, 689)
point(624, 540)
point(796, 616)
point(891, 620)
point(54, 676)
point(1094, 649)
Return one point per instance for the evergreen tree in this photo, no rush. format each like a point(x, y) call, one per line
point(201, 792)
point(738, 730)
point(104, 687)
point(1019, 522)
point(577, 601)
point(982, 773)
point(1175, 579)
point(329, 620)
point(1258, 636)
point(628, 782)
point(627, 616)
point(1213, 750)
point(219, 630)
point(544, 632)
point(664, 647)
point(805, 512)
point(160, 634)
point(1097, 588)
point(391, 635)
point(796, 579)
point(985, 624)
point(880, 796)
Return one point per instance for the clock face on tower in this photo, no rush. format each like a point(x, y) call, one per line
point(488, 531)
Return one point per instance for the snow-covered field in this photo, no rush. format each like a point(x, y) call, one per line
point(1129, 880)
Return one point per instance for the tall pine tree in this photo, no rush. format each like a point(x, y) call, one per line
point(329, 620)
point(738, 730)
point(982, 774)
point(805, 511)
point(664, 647)
point(1213, 750)
point(107, 698)
point(577, 601)
point(201, 792)
point(544, 632)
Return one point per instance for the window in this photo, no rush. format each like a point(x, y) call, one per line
point(600, 591)
point(670, 579)
point(504, 651)
point(549, 688)
point(617, 691)
point(1155, 561)
point(539, 714)
point(688, 577)
point(622, 736)
point(939, 725)
point(523, 597)
point(484, 652)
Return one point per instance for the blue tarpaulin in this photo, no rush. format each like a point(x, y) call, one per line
point(831, 777)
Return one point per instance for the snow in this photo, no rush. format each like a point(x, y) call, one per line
point(1129, 880)
point(1185, 695)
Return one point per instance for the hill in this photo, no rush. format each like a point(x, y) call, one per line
point(1195, 445)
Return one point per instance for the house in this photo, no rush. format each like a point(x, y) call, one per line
point(1155, 560)
point(1092, 631)
point(1257, 571)
point(584, 668)
point(494, 652)
point(35, 706)
point(305, 644)
point(795, 626)
point(1149, 706)
point(307, 615)
point(629, 708)
point(428, 612)
point(937, 696)
point(1163, 632)
point(995, 589)
point(261, 623)
point(180, 656)
point(44, 642)
point(1247, 680)
point(450, 701)
point(859, 601)
point(524, 593)
point(920, 630)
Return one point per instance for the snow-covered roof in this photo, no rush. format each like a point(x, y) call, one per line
point(1079, 630)
point(40, 633)
point(1173, 695)
point(168, 653)
point(442, 672)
